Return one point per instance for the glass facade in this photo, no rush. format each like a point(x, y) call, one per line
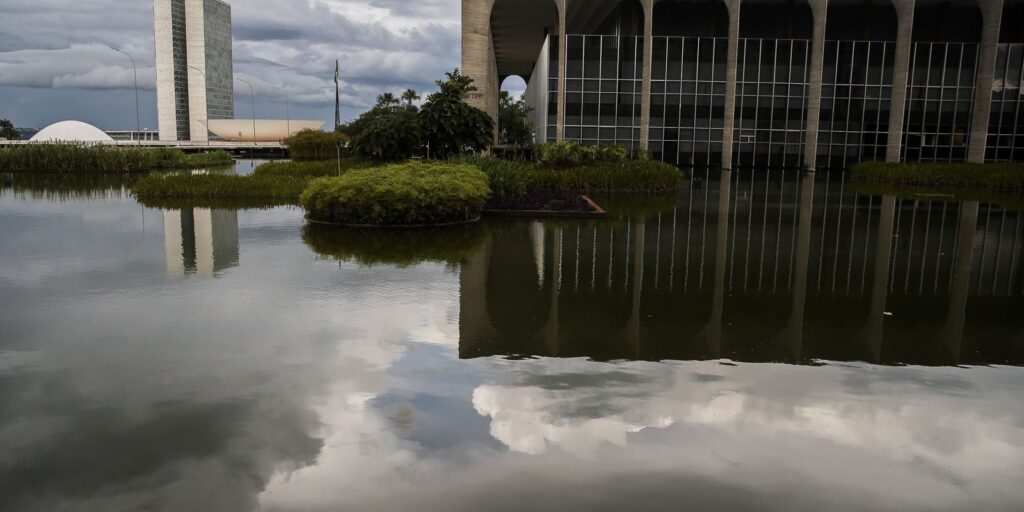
point(604, 90)
point(220, 90)
point(180, 50)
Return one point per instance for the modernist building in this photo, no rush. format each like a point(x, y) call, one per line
point(194, 71)
point(755, 83)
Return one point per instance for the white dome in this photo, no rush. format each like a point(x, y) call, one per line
point(71, 131)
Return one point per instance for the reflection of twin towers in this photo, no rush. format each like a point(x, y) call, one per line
point(200, 240)
point(757, 269)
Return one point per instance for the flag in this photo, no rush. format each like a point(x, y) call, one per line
point(336, 70)
point(337, 97)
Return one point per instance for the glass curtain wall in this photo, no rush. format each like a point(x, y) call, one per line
point(1005, 131)
point(939, 102)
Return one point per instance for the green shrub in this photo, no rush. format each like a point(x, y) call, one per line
point(393, 134)
point(398, 247)
point(309, 145)
point(517, 178)
point(573, 154)
point(995, 176)
point(102, 159)
point(403, 194)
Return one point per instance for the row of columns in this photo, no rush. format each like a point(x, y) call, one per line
point(991, 20)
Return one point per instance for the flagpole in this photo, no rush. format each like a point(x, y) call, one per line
point(337, 98)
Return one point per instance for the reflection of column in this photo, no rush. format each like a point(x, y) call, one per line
point(563, 13)
point(173, 255)
point(633, 334)
point(819, 9)
point(991, 17)
point(901, 72)
point(537, 237)
point(795, 326)
point(721, 248)
point(645, 98)
point(730, 82)
point(473, 320)
point(953, 332)
point(556, 288)
point(204, 241)
point(873, 331)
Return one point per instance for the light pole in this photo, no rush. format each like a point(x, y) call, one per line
point(135, 76)
point(287, 109)
point(252, 96)
point(207, 113)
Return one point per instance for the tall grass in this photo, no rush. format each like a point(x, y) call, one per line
point(282, 181)
point(995, 176)
point(102, 159)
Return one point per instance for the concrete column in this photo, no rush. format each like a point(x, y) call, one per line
point(819, 8)
point(563, 12)
point(991, 18)
point(477, 54)
point(645, 99)
point(900, 75)
point(730, 82)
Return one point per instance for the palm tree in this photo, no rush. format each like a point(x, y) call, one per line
point(410, 96)
point(387, 100)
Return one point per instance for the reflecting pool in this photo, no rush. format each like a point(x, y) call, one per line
point(763, 341)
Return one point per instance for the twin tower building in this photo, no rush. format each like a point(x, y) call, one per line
point(194, 70)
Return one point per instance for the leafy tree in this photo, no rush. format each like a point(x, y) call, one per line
point(387, 100)
point(314, 144)
point(7, 130)
point(513, 121)
point(387, 134)
point(410, 96)
point(450, 125)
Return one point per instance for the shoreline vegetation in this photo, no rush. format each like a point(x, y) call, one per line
point(94, 159)
point(939, 178)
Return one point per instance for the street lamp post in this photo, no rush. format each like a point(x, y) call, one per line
point(135, 76)
point(287, 110)
point(207, 113)
point(252, 96)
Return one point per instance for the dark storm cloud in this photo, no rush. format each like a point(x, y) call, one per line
point(49, 48)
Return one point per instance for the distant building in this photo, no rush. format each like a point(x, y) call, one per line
point(194, 70)
point(71, 131)
point(813, 84)
point(132, 135)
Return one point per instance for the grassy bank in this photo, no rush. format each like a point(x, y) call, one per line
point(101, 159)
point(279, 181)
point(996, 176)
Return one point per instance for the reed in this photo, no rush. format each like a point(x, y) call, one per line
point(994, 176)
point(102, 159)
point(510, 178)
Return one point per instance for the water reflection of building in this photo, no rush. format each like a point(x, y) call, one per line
point(200, 240)
point(758, 268)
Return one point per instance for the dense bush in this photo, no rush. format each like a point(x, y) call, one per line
point(996, 176)
point(573, 154)
point(103, 159)
point(515, 178)
point(403, 194)
point(450, 125)
point(315, 145)
point(393, 134)
point(399, 247)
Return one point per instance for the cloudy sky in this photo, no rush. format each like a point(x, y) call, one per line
point(55, 63)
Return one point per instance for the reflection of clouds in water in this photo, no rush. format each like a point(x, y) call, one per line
point(927, 435)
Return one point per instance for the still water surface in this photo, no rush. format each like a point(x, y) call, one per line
point(762, 342)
